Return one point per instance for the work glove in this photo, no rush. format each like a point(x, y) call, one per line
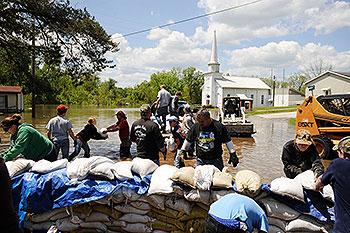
point(233, 159)
point(182, 155)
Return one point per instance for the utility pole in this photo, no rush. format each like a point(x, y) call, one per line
point(273, 90)
point(283, 88)
point(33, 71)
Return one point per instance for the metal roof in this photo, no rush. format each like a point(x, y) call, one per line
point(10, 89)
point(340, 74)
point(242, 82)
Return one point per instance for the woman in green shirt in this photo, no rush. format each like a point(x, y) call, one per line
point(26, 141)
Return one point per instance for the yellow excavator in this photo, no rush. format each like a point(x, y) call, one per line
point(327, 118)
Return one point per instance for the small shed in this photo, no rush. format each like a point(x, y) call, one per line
point(11, 99)
point(288, 97)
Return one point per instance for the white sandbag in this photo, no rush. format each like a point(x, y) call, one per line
point(38, 226)
point(222, 180)
point(288, 187)
point(79, 168)
point(65, 224)
point(97, 217)
point(104, 170)
point(170, 143)
point(141, 205)
point(122, 170)
point(328, 193)
point(43, 166)
point(104, 135)
point(179, 204)
point(184, 176)
point(203, 176)
point(306, 179)
point(19, 166)
point(160, 181)
point(306, 224)
point(278, 223)
point(275, 229)
point(217, 194)
point(135, 218)
point(143, 167)
point(128, 209)
point(156, 201)
point(196, 195)
point(96, 226)
point(279, 210)
point(137, 228)
point(248, 182)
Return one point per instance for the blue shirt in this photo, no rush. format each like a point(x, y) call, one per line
point(234, 206)
point(338, 174)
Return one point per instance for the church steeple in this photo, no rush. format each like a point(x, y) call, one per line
point(213, 63)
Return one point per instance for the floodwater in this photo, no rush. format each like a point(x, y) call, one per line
point(261, 153)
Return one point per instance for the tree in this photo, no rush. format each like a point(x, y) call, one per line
point(316, 68)
point(192, 83)
point(297, 81)
point(53, 29)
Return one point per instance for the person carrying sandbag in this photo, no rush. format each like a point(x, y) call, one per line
point(236, 213)
point(208, 135)
point(26, 141)
point(300, 154)
point(338, 175)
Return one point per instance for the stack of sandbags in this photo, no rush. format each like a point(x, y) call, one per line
point(19, 166)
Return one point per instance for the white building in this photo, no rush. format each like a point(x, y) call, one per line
point(11, 99)
point(216, 85)
point(330, 82)
point(288, 97)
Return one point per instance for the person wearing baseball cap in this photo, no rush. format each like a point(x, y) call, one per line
point(338, 175)
point(179, 138)
point(300, 154)
point(58, 129)
point(146, 134)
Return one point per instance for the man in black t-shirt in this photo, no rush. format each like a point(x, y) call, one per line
point(208, 135)
point(338, 175)
point(146, 134)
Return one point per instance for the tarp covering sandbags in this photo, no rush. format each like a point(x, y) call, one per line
point(98, 195)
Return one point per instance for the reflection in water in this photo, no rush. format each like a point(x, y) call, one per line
point(261, 153)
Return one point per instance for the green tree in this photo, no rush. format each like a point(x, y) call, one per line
point(297, 81)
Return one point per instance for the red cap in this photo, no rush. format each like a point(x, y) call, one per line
point(61, 108)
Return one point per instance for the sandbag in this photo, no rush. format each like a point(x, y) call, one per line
point(19, 166)
point(195, 225)
point(115, 223)
point(170, 143)
point(137, 228)
point(184, 176)
point(306, 179)
point(160, 181)
point(43, 166)
point(65, 224)
point(157, 201)
point(104, 170)
point(248, 182)
point(168, 212)
point(38, 226)
point(164, 226)
point(288, 187)
point(118, 196)
point(328, 193)
point(275, 229)
point(60, 215)
point(279, 210)
point(196, 195)
point(135, 218)
point(128, 209)
point(111, 212)
point(217, 194)
point(306, 224)
point(46, 216)
point(96, 226)
point(143, 167)
point(179, 204)
point(97, 217)
point(203, 176)
point(197, 212)
point(122, 170)
point(278, 223)
point(130, 194)
point(222, 180)
point(140, 205)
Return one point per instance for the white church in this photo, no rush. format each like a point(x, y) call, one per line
point(217, 86)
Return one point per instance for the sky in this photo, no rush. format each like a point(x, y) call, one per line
point(269, 35)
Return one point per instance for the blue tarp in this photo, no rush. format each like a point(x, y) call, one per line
point(37, 193)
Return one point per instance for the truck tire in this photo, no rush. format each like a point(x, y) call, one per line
point(324, 147)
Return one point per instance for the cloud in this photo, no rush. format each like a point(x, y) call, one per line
point(273, 18)
point(285, 54)
point(135, 64)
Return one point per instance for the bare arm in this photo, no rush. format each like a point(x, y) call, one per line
point(319, 185)
point(113, 128)
point(71, 134)
point(49, 134)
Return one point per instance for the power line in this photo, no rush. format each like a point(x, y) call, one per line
point(190, 19)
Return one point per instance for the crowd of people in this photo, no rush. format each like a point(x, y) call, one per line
point(201, 134)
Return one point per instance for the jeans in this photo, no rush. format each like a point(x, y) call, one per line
point(162, 112)
point(124, 151)
point(219, 163)
point(212, 226)
point(62, 145)
point(77, 148)
point(52, 155)
point(177, 161)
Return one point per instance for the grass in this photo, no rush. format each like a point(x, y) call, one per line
point(291, 121)
point(267, 110)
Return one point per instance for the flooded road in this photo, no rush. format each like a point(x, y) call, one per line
point(261, 153)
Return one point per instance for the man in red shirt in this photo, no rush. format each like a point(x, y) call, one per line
point(123, 126)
